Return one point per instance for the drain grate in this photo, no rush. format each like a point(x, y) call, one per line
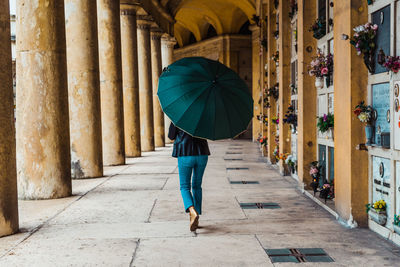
point(234, 153)
point(233, 159)
point(244, 182)
point(249, 206)
point(236, 169)
point(298, 255)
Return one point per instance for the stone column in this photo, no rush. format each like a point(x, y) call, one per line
point(307, 107)
point(8, 172)
point(145, 84)
point(167, 54)
point(112, 112)
point(284, 80)
point(256, 90)
point(350, 80)
point(130, 79)
point(43, 147)
point(156, 69)
point(84, 88)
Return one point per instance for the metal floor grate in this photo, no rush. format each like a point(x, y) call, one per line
point(244, 182)
point(233, 159)
point(271, 205)
point(236, 169)
point(234, 153)
point(298, 255)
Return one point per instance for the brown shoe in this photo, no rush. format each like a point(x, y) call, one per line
point(194, 219)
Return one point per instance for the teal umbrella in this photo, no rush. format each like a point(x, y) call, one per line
point(205, 98)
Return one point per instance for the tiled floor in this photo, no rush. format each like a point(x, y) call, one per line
point(134, 217)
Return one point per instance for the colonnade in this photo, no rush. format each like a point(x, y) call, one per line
point(87, 76)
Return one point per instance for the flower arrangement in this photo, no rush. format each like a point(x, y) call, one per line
point(293, 8)
point(275, 120)
point(273, 92)
point(263, 141)
point(363, 112)
point(379, 206)
point(392, 64)
point(318, 28)
point(276, 153)
point(396, 220)
point(291, 117)
point(364, 42)
point(263, 119)
point(377, 211)
point(315, 169)
point(283, 156)
point(321, 66)
point(325, 122)
point(291, 161)
point(275, 57)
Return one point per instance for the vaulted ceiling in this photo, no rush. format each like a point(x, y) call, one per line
point(196, 16)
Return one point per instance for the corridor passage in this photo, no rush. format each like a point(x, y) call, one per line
point(134, 217)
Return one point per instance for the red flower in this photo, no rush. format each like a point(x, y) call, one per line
point(357, 111)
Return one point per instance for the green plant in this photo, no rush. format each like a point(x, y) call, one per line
point(396, 220)
point(325, 122)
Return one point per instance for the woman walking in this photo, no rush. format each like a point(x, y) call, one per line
point(192, 154)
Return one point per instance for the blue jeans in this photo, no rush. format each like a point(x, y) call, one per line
point(187, 165)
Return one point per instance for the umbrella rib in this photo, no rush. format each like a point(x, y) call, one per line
point(226, 114)
point(193, 103)
point(182, 96)
point(240, 118)
point(237, 95)
point(183, 84)
point(204, 109)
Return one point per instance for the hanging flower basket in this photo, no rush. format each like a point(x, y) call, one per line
point(364, 41)
point(318, 29)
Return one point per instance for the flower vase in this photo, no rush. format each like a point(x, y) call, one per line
point(369, 130)
point(328, 81)
point(396, 229)
point(319, 83)
point(331, 133)
point(378, 216)
point(369, 62)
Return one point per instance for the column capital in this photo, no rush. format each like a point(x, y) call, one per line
point(156, 33)
point(254, 28)
point(144, 22)
point(168, 41)
point(129, 9)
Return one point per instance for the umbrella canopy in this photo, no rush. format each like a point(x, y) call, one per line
point(205, 98)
